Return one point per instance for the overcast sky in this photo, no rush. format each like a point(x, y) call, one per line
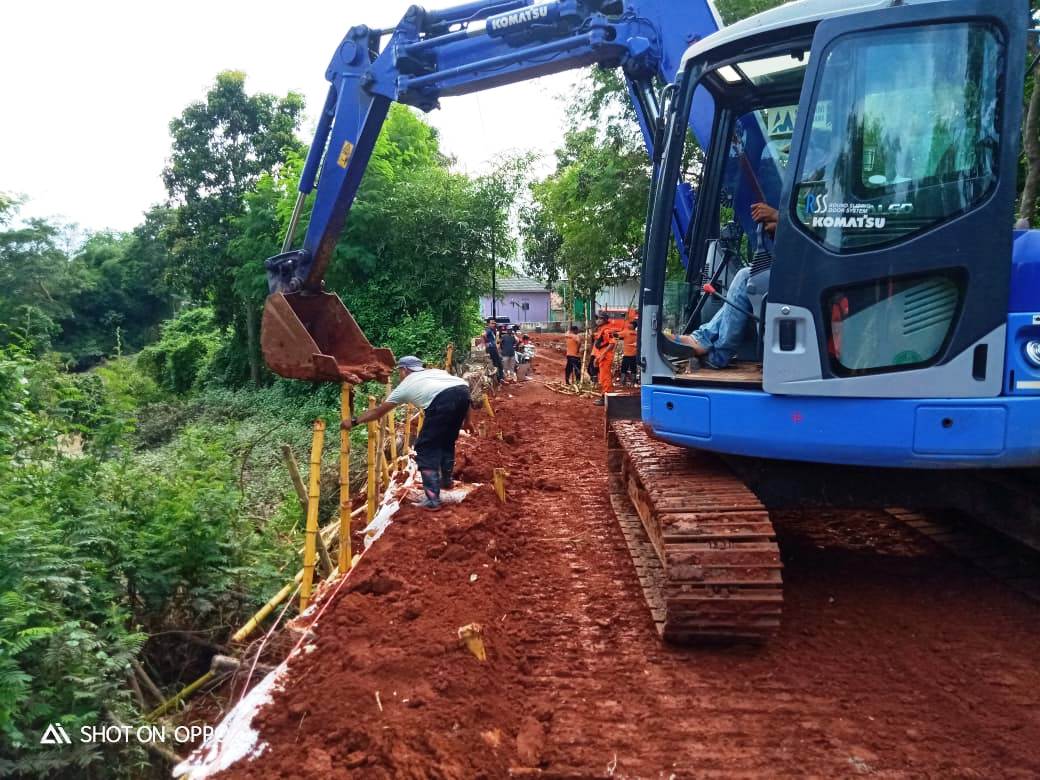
point(88, 89)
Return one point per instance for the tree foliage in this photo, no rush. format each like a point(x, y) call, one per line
point(585, 221)
point(222, 146)
point(84, 303)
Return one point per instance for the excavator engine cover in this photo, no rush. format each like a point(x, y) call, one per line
point(312, 336)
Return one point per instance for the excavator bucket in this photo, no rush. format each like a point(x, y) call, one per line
point(312, 336)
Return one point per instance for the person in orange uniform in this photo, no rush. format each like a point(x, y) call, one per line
point(630, 349)
point(603, 346)
point(573, 368)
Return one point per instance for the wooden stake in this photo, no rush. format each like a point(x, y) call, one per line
point(448, 357)
point(372, 487)
point(313, 494)
point(294, 474)
point(419, 425)
point(487, 406)
point(324, 558)
point(500, 484)
point(346, 411)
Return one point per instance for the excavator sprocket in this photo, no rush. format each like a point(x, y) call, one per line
point(702, 543)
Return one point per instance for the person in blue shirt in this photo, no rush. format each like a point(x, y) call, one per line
point(492, 348)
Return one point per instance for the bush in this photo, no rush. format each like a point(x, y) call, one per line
point(186, 347)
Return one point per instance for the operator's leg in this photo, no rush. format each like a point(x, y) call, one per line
point(720, 338)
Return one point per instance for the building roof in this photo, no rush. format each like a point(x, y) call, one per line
point(520, 284)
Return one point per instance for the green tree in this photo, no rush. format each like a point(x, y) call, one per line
point(38, 282)
point(125, 296)
point(221, 148)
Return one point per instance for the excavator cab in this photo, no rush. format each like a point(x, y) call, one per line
point(312, 336)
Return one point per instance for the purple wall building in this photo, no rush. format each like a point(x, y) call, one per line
point(519, 298)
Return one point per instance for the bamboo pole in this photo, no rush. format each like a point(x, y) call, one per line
point(167, 705)
point(313, 494)
point(294, 474)
point(448, 357)
point(253, 622)
point(487, 406)
point(346, 410)
point(391, 418)
point(324, 557)
point(384, 468)
point(500, 484)
point(372, 487)
point(409, 410)
point(419, 425)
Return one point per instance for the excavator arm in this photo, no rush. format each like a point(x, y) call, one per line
point(308, 333)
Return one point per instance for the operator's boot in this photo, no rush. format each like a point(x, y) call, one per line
point(431, 480)
point(447, 473)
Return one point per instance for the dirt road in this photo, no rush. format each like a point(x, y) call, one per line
point(894, 659)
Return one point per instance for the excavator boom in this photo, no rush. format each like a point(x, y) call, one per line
point(306, 332)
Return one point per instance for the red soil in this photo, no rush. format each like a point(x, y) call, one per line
point(894, 659)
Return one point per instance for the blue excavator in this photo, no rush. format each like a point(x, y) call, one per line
point(891, 346)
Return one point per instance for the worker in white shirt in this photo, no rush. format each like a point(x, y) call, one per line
point(445, 399)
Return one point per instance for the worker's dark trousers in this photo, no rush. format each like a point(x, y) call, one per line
point(435, 447)
point(496, 361)
point(573, 369)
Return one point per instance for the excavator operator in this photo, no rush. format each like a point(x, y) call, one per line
point(716, 342)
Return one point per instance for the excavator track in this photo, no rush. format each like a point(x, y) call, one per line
point(703, 545)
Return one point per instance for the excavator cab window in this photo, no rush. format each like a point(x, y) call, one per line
point(746, 164)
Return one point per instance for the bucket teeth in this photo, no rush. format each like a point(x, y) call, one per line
point(702, 543)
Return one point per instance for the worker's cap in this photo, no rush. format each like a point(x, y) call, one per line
point(410, 362)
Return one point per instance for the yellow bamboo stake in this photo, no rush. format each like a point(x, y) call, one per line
point(184, 694)
point(372, 487)
point(391, 419)
point(487, 406)
point(267, 609)
point(500, 484)
point(346, 411)
point(407, 436)
point(419, 425)
point(448, 357)
point(384, 469)
point(313, 493)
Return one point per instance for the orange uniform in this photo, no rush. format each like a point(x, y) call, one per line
point(573, 345)
point(630, 340)
point(603, 350)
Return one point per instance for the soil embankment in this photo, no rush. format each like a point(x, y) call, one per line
point(894, 659)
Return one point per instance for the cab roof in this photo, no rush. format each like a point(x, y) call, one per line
point(792, 14)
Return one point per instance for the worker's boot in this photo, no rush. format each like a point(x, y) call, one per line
point(431, 480)
point(447, 473)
